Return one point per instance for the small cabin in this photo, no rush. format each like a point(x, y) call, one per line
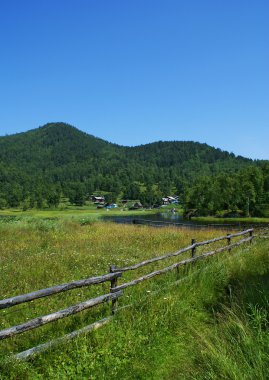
point(98, 200)
point(170, 200)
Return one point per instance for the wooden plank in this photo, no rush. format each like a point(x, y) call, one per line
point(9, 302)
point(181, 263)
point(166, 256)
point(40, 321)
point(24, 355)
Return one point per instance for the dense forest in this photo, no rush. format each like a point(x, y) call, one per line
point(39, 167)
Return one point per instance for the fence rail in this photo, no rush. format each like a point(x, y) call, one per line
point(9, 302)
point(40, 321)
point(191, 247)
point(74, 334)
point(181, 263)
point(116, 290)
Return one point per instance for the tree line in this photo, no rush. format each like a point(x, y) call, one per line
point(245, 192)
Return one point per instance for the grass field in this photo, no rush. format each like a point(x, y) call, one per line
point(209, 219)
point(74, 212)
point(213, 325)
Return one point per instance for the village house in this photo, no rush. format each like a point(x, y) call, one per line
point(98, 200)
point(170, 200)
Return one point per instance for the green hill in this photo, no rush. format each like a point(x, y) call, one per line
point(38, 166)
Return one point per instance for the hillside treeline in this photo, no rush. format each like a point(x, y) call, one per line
point(245, 192)
point(40, 166)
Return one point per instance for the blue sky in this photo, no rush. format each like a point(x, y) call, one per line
point(134, 72)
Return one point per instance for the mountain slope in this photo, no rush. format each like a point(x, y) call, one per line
point(55, 143)
point(58, 158)
point(58, 144)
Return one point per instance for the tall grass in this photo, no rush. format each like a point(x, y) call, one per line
point(211, 325)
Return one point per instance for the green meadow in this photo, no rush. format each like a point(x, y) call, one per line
point(74, 212)
point(212, 324)
point(210, 219)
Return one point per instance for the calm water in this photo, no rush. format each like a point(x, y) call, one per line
point(166, 218)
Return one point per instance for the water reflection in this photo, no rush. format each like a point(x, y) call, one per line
point(165, 218)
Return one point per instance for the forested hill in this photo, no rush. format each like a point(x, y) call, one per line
point(57, 145)
point(57, 159)
point(52, 145)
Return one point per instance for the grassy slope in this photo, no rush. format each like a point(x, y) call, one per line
point(213, 326)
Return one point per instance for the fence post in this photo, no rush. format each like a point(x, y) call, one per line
point(193, 250)
point(229, 241)
point(113, 284)
point(251, 235)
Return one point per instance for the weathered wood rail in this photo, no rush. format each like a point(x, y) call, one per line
point(182, 263)
point(40, 321)
point(9, 302)
point(191, 247)
point(74, 334)
point(71, 310)
point(116, 290)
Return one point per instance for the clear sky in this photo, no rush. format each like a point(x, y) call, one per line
point(137, 71)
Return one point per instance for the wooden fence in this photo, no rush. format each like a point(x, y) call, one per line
point(116, 290)
point(194, 257)
point(71, 310)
